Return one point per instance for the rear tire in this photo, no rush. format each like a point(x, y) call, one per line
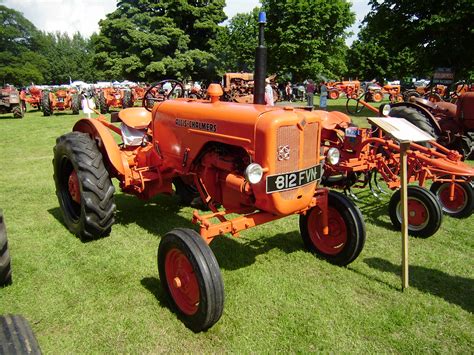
point(16, 336)
point(424, 212)
point(333, 94)
point(127, 99)
point(103, 104)
point(346, 237)
point(190, 276)
point(5, 261)
point(83, 186)
point(17, 112)
point(416, 118)
point(463, 203)
point(46, 104)
point(76, 104)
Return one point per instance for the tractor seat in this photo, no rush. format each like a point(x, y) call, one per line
point(135, 117)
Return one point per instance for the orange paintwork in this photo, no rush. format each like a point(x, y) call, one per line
point(350, 88)
point(213, 142)
point(61, 100)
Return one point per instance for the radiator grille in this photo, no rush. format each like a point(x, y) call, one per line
point(291, 136)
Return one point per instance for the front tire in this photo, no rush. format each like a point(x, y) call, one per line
point(5, 261)
point(191, 278)
point(127, 99)
point(75, 104)
point(103, 103)
point(462, 204)
point(17, 336)
point(46, 104)
point(346, 236)
point(424, 212)
point(17, 112)
point(83, 186)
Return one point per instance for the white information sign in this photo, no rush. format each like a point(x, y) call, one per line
point(401, 129)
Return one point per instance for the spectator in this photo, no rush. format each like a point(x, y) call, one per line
point(323, 99)
point(310, 87)
point(288, 92)
point(269, 93)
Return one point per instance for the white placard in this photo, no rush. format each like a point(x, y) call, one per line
point(401, 129)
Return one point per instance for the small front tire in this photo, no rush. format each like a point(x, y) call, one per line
point(346, 236)
point(462, 204)
point(191, 278)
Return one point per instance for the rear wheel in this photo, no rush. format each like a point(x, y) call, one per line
point(16, 336)
point(416, 118)
point(83, 186)
point(346, 236)
point(424, 212)
point(191, 278)
point(333, 94)
point(127, 99)
point(5, 261)
point(17, 112)
point(377, 96)
point(75, 104)
point(103, 104)
point(46, 104)
point(461, 204)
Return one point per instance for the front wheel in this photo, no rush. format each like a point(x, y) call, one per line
point(190, 276)
point(460, 204)
point(83, 186)
point(346, 236)
point(424, 212)
point(5, 261)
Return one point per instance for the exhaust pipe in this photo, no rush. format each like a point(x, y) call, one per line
point(260, 62)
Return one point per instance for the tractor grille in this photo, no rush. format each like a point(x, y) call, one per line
point(302, 148)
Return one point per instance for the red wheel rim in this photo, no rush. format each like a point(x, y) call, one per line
point(73, 186)
point(418, 214)
point(334, 242)
point(459, 201)
point(333, 95)
point(377, 97)
point(182, 281)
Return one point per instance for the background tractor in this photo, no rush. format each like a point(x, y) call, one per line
point(10, 101)
point(31, 96)
point(60, 100)
point(239, 87)
point(114, 97)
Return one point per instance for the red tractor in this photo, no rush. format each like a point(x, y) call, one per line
point(114, 97)
point(31, 96)
point(10, 101)
point(349, 88)
point(60, 100)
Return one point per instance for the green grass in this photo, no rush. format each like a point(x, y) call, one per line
point(104, 296)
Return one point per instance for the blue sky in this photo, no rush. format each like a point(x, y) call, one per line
point(83, 15)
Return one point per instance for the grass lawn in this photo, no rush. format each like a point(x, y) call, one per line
point(104, 296)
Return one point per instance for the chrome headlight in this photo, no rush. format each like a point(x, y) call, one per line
point(254, 173)
point(333, 155)
point(386, 110)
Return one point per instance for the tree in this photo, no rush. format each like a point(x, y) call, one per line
point(148, 40)
point(306, 37)
point(401, 38)
point(20, 62)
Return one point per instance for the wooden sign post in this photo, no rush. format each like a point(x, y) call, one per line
point(405, 133)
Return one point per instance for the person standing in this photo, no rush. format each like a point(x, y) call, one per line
point(310, 87)
point(269, 93)
point(323, 98)
point(288, 92)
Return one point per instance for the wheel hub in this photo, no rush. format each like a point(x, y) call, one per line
point(74, 188)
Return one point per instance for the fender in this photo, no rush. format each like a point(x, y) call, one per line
point(106, 142)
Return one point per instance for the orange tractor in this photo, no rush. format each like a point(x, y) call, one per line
point(31, 96)
point(349, 88)
point(60, 100)
point(238, 87)
point(114, 97)
point(259, 162)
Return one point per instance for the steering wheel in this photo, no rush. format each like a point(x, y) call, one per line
point(156, 92)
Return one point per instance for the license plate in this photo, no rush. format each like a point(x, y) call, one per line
point(294, 179)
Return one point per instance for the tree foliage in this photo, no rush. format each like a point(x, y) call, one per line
point(307, 37)
point(147, 39)
point(404, 38)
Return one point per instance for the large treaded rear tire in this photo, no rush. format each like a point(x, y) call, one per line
point(75, 104)
point(46, 104)
point(103, 104)
point(16, 336)
point(416, 118)
point(127, 99)
point(5, 261)
point(78, 162)
point(17, 111)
